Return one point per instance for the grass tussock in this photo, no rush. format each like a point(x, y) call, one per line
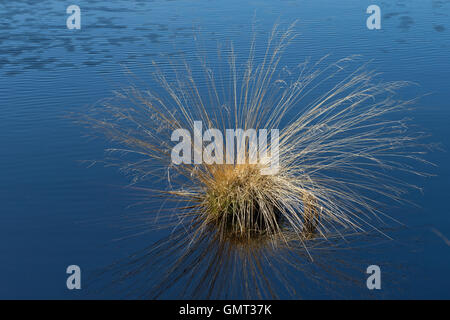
point(345, 143)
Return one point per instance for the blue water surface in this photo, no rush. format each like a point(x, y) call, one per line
point(56, 210)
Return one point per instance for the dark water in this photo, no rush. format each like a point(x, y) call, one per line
point(55, 211)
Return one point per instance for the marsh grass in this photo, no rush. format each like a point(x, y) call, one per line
point(344, 141)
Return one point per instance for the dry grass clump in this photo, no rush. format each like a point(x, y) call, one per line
point(343, 142)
